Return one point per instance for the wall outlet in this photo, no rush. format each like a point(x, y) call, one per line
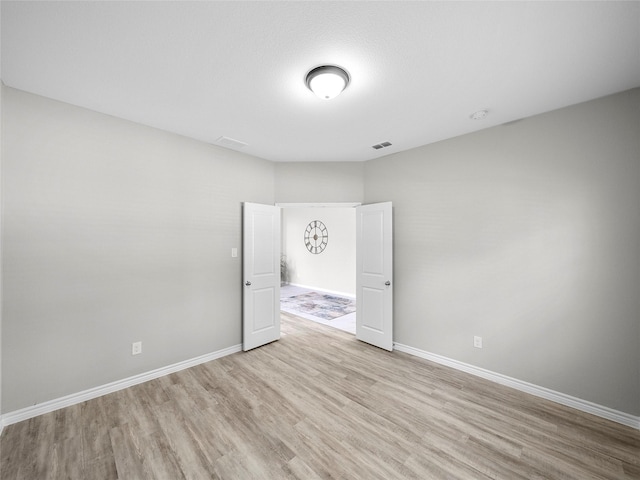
point(136, 348)
point(234, 252)
point(477, 342)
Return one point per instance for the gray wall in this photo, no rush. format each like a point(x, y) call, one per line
point(334, 269)
point(528, 235)
point(114, 233)
point(307, 182)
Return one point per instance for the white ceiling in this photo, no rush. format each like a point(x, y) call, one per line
point(236, 69)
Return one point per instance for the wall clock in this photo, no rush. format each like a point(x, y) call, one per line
point(316, 237)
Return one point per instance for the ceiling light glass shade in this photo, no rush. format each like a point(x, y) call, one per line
point(327, 81)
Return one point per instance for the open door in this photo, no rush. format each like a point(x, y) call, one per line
point(374, 269)
point(261, 271)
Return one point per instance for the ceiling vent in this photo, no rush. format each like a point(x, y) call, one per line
point(230, 143)
point(479, 115)
point(381, 145)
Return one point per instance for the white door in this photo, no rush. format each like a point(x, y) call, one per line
point(261, 271)
point(374, 268)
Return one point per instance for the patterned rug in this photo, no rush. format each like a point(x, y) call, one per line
point(320, 305)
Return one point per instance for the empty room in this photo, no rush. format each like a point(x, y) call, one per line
point(471, 169)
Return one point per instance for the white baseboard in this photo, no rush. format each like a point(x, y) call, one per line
point(75, 398)
point(316, 289)
point(558, 397)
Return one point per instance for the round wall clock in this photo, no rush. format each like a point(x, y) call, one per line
point(316, 237)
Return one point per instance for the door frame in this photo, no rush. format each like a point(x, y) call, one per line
point(283, 205)
point(319, 205)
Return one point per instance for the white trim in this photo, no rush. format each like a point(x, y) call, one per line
point(558, 397)
point(319, 205)
point(316, 289)
point(75, 398)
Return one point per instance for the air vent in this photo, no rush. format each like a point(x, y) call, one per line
point(479, 115)
point(381, 145)
point(230, 143)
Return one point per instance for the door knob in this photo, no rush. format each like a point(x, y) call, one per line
point(387, 283)
point(247, 283)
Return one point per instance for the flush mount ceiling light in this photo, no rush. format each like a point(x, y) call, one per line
point(327, 81)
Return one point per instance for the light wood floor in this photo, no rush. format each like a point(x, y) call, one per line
point(318, 404)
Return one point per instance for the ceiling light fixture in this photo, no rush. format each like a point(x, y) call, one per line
point(327, 81)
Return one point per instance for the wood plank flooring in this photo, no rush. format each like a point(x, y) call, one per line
point(318, 404)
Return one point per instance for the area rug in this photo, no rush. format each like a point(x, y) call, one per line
point(319, 305)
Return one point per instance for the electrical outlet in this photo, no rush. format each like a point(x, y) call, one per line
point(234, 252)
point(477, 342)
point(136, 348)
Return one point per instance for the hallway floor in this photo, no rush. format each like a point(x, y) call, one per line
point(346, 323)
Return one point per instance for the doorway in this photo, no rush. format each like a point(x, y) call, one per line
point(261, 245)
point(318, 263)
